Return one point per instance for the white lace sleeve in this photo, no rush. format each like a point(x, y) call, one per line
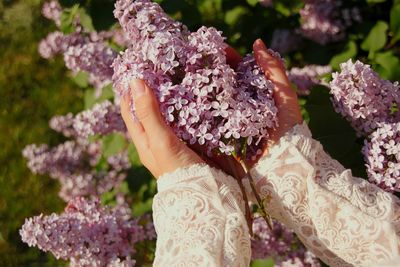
point(198, 216)
point(343, 220)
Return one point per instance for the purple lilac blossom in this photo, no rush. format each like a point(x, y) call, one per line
point(363, 98)
point(285, 41)
point(324, 21)
point(93, 57)
point(73, 165)
point(52, 10)
point(382, 156)
point(86, 234)
point(101, 119)
point(281, 244)
point(307, 77)
point(201, 97)
point(63, 124)
point(52, 45)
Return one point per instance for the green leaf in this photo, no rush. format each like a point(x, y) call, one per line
point(376, 38)
point(390, 65)
point(395, 22)
point(333, 131)
point(113, 143)
point(375, 1)
point(67, 18)
point(86, 20)
point(141, 208)
point(349, 51)
point(90, 98)
point(81, 79)
point(233, 16)
point(252, 2)
point(263, 263)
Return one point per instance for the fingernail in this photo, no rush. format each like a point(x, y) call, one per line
point(138, 88)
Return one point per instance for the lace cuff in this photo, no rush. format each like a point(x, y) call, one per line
point(344, 220)
point(198, 216)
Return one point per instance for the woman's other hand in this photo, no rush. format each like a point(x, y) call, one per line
point(159, 149)
point(285, 97)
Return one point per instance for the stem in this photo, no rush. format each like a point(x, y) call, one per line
point(249, 219)
point(260, 201)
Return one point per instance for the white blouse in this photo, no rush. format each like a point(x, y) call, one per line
point(345, 221)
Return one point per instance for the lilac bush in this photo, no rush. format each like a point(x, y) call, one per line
point(87, 234)
point(73, 164)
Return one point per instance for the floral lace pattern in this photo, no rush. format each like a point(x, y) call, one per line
point(343, 220)
point(198, 216)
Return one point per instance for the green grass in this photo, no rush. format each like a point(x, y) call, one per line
point(32, 90)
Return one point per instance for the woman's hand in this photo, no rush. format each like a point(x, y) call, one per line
point(159, 149)
point(285, 97)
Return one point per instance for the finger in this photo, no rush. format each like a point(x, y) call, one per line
point(147, 111)
point(136, 132)
point(232, 57)
point(275, 71)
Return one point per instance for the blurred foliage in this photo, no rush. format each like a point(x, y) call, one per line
point(33, 90)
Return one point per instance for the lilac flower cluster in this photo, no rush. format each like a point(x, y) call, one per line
point(307, 77)
point(363, 98)
point(324, 21)
point(86, 234)
point(281, 244)
point(382, 156)
point(82, 51)
point(52, 10)
point(95, 58)
point(101, 119)
point(201, 97)
point(73, 165)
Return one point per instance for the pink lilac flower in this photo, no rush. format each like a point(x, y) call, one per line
point(363, 98)
point(63, 124)
point(201, 97)
point(382, 156)
point(86, 234)
point(52, 45)
point(307, 77)
point(52, 10)
point(324, 21)
point(101, 119)
point(93, 57)
point(73, 165)
point(280, 244)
